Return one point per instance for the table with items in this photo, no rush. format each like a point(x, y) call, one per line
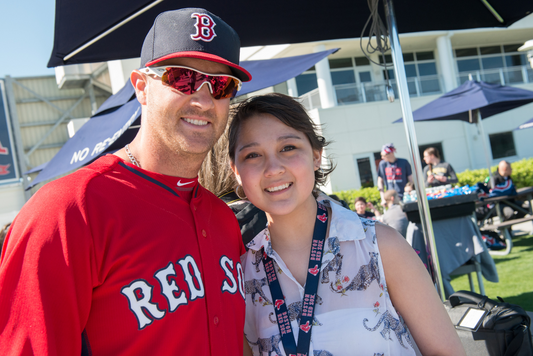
point(457, 237)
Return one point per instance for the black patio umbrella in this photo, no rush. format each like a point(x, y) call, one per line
point(122, 24)
point(473, 101)
point(458, 104)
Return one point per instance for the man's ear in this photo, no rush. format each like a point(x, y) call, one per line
point(140, 84)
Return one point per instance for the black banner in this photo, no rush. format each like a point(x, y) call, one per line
point(7, 159)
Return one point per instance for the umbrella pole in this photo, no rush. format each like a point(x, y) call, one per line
point(403, 92)
point(485, 146)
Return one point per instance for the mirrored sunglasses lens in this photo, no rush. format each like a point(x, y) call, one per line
point(188, 81)
point(226, 87)
point(181, 79)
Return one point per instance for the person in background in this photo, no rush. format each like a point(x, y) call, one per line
point(394, 215)
point(503, 185)
point(437, 172)
point(409, 187)
point(361, 207)
point(317, 269)
point(342, 202)
point(130, 255)
point(393, 172)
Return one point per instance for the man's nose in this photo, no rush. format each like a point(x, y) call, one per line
point(203, 98)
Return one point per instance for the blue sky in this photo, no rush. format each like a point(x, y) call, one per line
point(27, 28)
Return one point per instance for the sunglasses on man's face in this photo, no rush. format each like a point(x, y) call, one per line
point(188, 80)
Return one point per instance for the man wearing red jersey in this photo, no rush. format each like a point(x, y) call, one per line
point(130, 255)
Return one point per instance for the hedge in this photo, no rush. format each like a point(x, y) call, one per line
point(522, 177)
point(370, 194)
point(522, 174)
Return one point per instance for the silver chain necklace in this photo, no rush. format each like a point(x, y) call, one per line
point(132, 157)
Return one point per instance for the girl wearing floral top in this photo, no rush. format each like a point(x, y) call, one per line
point(357, 287)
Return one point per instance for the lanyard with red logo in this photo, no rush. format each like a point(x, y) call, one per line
point(310, 291)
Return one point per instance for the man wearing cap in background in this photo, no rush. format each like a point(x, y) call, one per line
point(130, 255)
point(393, 172)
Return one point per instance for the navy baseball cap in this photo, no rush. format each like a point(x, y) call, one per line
point(193, 33)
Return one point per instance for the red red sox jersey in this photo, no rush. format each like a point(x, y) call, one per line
point(110, 261)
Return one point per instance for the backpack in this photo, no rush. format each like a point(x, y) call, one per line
point(490, 328)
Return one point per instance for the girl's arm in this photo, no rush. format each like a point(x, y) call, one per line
point(414, 296)
point(246, 348)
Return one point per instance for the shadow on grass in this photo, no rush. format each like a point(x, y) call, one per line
point(528, 249)
point(498, 260)
point(523, 241)
point(525, 300)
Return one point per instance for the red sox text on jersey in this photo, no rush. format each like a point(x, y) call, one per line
point(139, 292)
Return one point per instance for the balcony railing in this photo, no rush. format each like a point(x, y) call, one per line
point(311, 100)
point(374, 91)
point(503, 76)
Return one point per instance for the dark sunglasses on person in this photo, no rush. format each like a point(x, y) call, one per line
point(188, 80)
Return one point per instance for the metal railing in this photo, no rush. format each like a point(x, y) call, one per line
point(311, 100)
point(374, 91)
point(503, 76)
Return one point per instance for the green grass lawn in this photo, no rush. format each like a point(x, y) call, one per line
point(515, 272)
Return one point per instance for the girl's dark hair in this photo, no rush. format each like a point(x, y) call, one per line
point(291, 113)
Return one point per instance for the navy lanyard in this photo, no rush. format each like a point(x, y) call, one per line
point(311, 287)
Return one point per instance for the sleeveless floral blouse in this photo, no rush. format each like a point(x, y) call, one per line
point(353, 312)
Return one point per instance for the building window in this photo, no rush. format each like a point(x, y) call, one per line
point(365, 172)
point(437, 145)
point(349, 77)
point(502, 145)
point(421, 73)
point(340, 63)
point(361, 61)
point(493, 64)
point(306, 82)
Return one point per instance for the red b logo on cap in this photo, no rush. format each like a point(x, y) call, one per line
point(204, 28)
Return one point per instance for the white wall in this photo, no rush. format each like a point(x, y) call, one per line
point(120, 70)
point(12, 199)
